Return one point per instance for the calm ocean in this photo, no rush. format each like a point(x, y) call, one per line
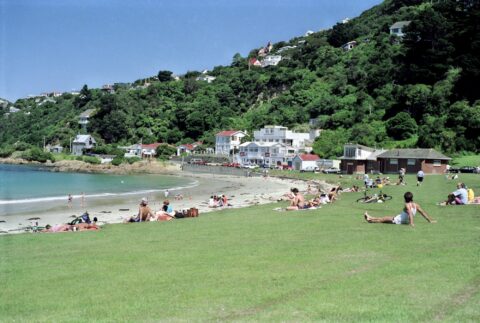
point(25, 188)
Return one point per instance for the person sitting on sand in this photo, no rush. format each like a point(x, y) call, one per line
point(144, 213)
point(212, 202)
point(298, 202)
point(405, 217)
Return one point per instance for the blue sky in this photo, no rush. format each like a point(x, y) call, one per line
point(59, 45)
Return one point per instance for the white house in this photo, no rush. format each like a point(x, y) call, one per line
point(397, 28)
point(228, 140)
point(150, 150)
point(264, 153)
point(296, 140)
point(189, 148)
point(349, 46)
point(271, 60)
point(82, 143)
point(305, 162)
point(54, 149)
point(206, 78)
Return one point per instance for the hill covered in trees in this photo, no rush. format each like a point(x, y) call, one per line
point(417, 91)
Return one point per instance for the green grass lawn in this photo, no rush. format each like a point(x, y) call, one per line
point(470, 160)
point(256, 264)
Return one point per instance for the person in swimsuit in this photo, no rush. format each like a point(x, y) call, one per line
point(405, 217)
point(298, 201)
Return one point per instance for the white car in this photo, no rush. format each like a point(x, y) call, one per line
point(249, 166)
point(309, 169)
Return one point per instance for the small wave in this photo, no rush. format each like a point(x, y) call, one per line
point(98, 195)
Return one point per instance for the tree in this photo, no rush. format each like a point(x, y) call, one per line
point(330, 143)
point(164, 76)
point(165, 151)
point(402, 126)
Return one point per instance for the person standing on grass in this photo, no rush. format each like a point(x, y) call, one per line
point(420, 176)
point(405, 217)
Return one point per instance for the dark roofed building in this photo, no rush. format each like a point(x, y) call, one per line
point(428, 160)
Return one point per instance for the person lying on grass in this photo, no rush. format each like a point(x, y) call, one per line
point(405, 217)
point(69, 227)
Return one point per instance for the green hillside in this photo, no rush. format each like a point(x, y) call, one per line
point(418, 91)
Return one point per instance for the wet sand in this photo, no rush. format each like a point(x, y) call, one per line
point(241, 192)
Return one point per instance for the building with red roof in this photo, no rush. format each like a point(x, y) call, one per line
point(304, 162)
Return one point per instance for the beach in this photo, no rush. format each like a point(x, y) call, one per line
point(241, 192)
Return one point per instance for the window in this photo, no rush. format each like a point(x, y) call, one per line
point(411, 162)
point(437, 162)
point(350, 152)
point(393, 161)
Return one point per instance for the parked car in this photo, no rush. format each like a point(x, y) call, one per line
point(250, 166)
point(331, 170)
point(468, 169)
point(309, 169)
point(197, 161)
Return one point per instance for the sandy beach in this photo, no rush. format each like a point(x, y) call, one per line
point(241, 192)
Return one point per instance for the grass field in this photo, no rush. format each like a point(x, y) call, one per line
point(470, 160)
point(256, 264)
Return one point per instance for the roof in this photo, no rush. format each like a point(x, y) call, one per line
point(83, 139)
point(227, 133)
point(400, 24)
point(262, 144)
point(86, 113)
point(151, 146)
point(308, 157)
point(362, 147)
point(417, 153)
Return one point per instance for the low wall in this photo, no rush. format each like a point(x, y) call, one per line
point(221, 170)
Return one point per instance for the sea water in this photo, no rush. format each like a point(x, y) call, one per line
point(30, 188)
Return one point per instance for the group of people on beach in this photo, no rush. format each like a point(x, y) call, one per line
point(220, 200)
point(145, 213)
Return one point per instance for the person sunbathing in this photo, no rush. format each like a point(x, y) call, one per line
point(166, 213)
point(144, 213)
point(86, 227)
point(405, 217)
point(57, 228)
point(298, 202)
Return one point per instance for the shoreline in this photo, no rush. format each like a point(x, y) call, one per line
point(241, 192)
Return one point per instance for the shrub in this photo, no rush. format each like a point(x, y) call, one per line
point(117, 161)
point(132, 160)
point(22, 146)
point(36, 154)
point(6, 152)
point(79, 158)
point(91, 160)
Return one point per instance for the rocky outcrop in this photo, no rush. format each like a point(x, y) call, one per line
point(141, 167)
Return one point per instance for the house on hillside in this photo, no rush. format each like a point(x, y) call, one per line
point(254, 62)
point(359, 159)
point(271, 60)
point(305, 162)
point(349, 46)
point(397, 28)
point(84, 117)
point(83, 144)
point(412, 160)
point(227, 141)
point(56, 149)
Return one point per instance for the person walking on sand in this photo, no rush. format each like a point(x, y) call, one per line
point(69, 201)
point(405, 217)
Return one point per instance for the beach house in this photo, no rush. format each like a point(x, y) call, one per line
point(271, 60)
point(412, 160)
point(263, 153)
point(83, 144)
point(226, 142)
point(359, 159)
